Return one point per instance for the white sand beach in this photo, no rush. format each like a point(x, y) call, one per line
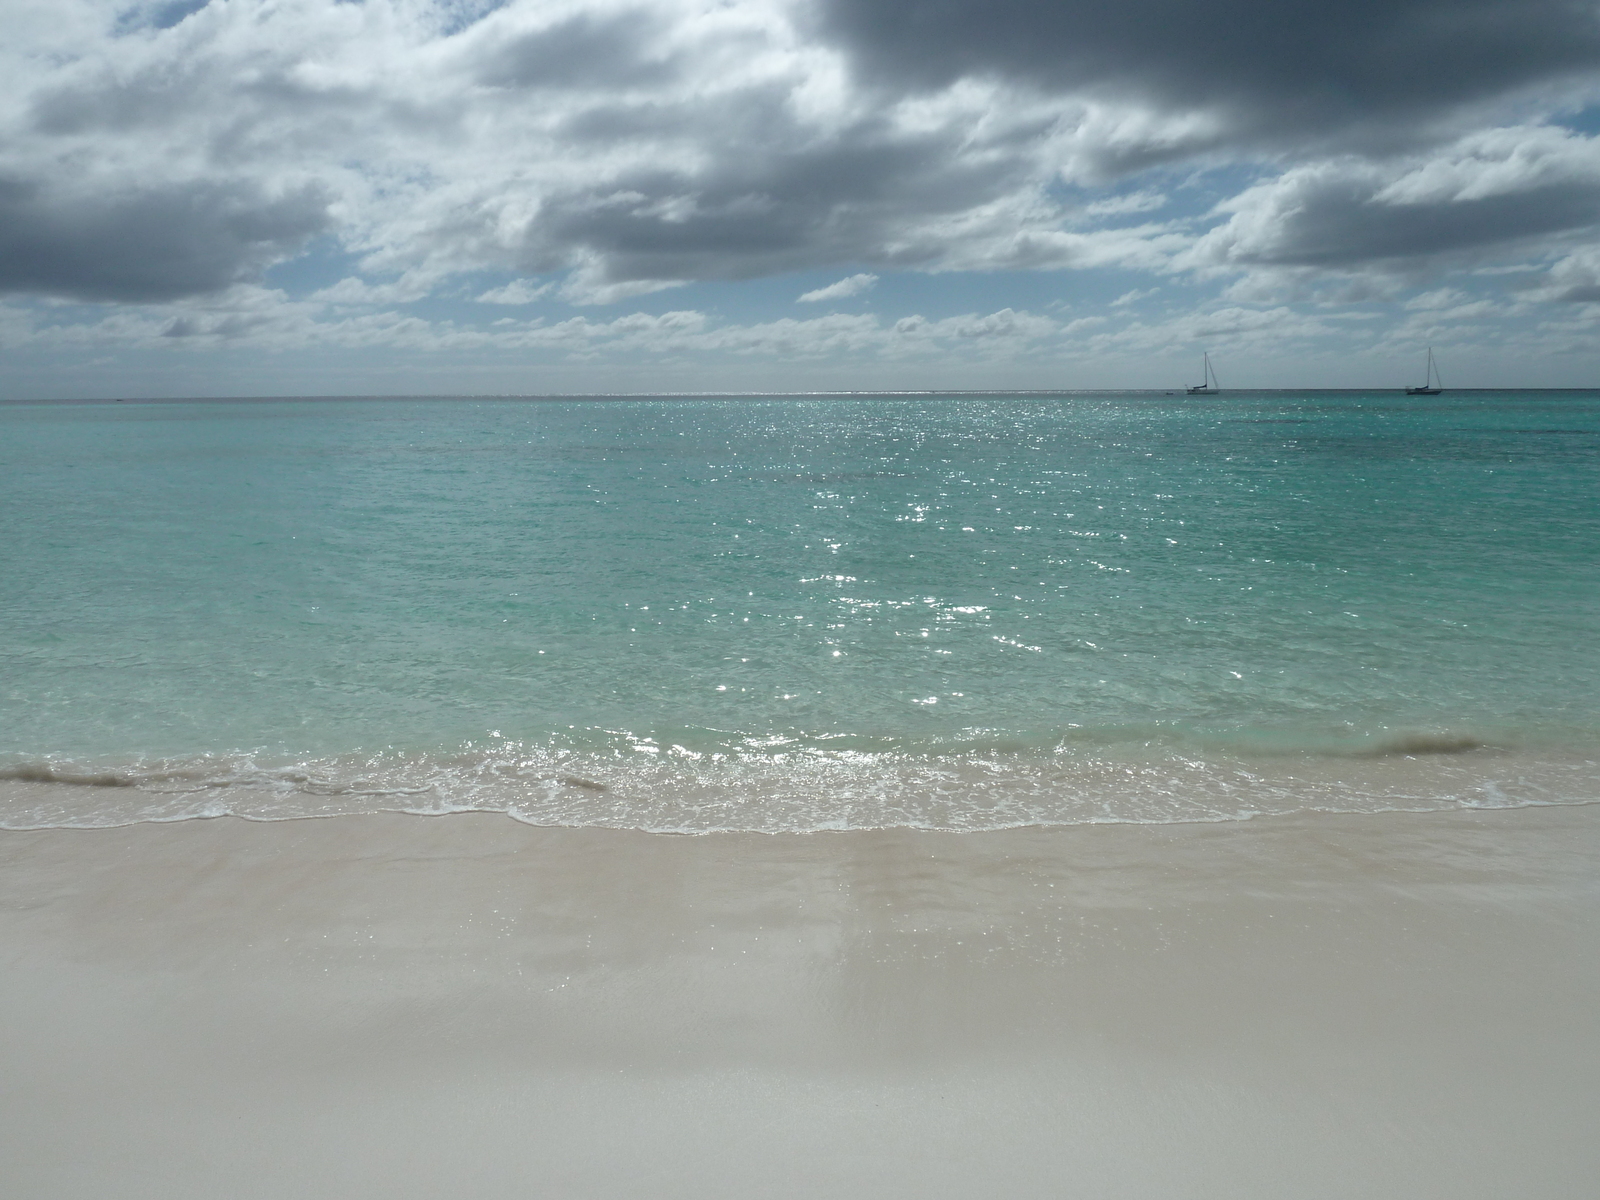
point(394, 1006)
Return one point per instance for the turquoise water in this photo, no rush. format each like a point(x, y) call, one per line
point(800, 613)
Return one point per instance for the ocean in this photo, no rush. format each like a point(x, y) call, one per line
point(945, 612)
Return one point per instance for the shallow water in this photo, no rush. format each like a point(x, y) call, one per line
point(949, 612)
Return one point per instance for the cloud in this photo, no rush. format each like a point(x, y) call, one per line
point(515, 292)
point(351, 292)
point(593, 281)
point(263, 319)
point(852, 285)
point(1268, 67)
point(1574, 279)
point(1480, 195)
point(630, 144)
point(148, 243)
point(1138, 202)
point(266, 319)
point(621, 148)
point(616, 51)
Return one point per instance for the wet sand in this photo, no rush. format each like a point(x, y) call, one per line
point(392, 1006)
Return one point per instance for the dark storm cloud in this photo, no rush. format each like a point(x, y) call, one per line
point(1343, 227)
point(776, 206)
point(1293, 66)
point(1492, 190)
point(153, 244)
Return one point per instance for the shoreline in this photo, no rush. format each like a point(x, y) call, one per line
point(1041, 826)
point(1321, 1005)
point(659, 793)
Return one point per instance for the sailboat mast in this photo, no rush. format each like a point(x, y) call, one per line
point(1432, 383)
point(1208, 379)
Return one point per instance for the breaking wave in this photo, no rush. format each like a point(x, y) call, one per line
point(707, 783)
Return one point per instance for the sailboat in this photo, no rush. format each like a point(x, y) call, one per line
point(1432, 385)
point(1209, 384)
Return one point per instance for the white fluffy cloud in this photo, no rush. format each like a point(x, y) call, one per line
point(851, 285)
point(518, 292)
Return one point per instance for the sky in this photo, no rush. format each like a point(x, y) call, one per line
point(355, 197)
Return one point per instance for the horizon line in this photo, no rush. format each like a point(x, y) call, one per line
point(735, 395)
